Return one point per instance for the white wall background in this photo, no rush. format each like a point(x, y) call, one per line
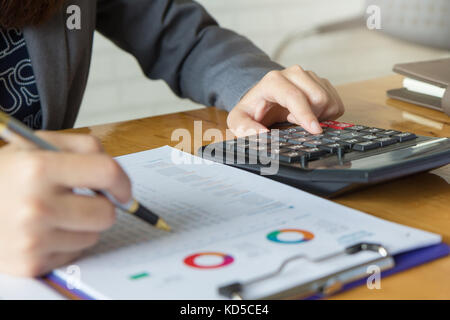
point(118, 91)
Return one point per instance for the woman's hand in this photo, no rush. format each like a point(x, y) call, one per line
point(293, 95)
point(43, 224)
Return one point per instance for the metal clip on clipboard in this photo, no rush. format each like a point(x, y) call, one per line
point(324, 286)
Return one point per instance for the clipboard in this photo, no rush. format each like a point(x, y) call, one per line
point(320, 288)
point(345, 279)
point(164, 261)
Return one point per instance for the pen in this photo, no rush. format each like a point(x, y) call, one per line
point(10, 125)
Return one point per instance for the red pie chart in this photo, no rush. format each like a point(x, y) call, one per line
point(191, 260)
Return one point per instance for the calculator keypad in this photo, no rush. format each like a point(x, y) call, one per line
point(297, 145)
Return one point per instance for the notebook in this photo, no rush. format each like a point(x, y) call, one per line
point(430, 83)
point(229, 225)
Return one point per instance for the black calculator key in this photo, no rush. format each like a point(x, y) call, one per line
point(290, 130)
point(314, 152)
point(405, 136)
point(274, 152)
point(301, 133)
point(265, 135)
point(333, 147)
point(282, 144)
point(331, 139)
point(386, 141)
point(352, 135)
point(357, 128)
point(388, 133)
point(350, 142)
point(335, 132)
point(372, 130)
point(313, 143)
point(291, 156)
point(296, 147)
point(299, 140)
point(369, 137)
point(280, 139)
point(366, 145)
point(287, 137)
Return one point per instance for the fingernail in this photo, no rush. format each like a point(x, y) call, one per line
point(315, 126)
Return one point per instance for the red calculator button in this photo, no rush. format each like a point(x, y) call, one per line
point(338, 125)
point(325, 124)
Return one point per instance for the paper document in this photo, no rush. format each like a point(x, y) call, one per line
point(14, 288)
point(423, 88)
point(229, 225)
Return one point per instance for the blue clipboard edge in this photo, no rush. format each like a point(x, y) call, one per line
point(403, 261)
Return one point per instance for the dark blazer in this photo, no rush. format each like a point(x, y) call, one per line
point(173, 40)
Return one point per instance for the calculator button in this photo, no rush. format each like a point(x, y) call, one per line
point(265, 135)
point(369, 137)
point(296, 147)
point(277, 138)
point(313, 143)
point(288, 136)
point(372, 130)
point(335, 132)
point(301, 133)
point(404, 136)
point(350, 142)
point(386, 141)
point(274, 152)
point(351, 135)
point(298, 140)
point(333, 147)
point(336, 125)
point(282, 144)
point(314, 152)
point(290, 130)
point(357, 128)
point(292, 156)
point(388, 133)
point(331, 139)
point(366, 145)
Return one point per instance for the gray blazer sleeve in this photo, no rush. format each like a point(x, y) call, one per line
point(179, 42)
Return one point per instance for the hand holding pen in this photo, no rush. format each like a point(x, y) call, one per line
point(43, 224)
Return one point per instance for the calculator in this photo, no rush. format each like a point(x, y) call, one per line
point(342, 158)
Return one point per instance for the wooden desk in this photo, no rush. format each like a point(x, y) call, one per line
point(421, 201)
